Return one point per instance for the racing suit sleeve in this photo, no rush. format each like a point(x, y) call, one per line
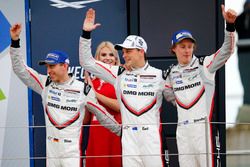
point(27, 75)
point(102, 114)
point(168, 92)
point(218, 59)
point(99, 69)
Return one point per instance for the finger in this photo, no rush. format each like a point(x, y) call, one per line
point(90, 13)
point(13, 27)
point(223, 8)
point(17, 27)
point(232, 12)
point(93, 14)
point(20, 26)
point(97, 25)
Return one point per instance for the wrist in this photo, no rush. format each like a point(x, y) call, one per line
point(15, 43)
point(230, 27)
point(86, 34)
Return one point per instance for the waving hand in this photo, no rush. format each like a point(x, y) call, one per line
point(230, 15)
point(89, 21)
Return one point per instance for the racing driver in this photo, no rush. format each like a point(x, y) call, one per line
point(193, 83)
point(139, 92)
point(64, 99)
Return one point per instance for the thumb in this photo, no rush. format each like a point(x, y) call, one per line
point(97, 25)
point(223, 8)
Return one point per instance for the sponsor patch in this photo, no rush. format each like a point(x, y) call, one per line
point(134, 128)
point(176, 77)
point(148, 86)
point(71, 101)
point(67, 141)
point(130, 79)
point(187, 86)
point(193, 77)
point(190, 70)
point(179, 82)
point(131, 86)
point(130, 74)
point(55, 98)
point(147, 76)
point(126, 127)
point(130, 92)
point(72, 91)
point(55, 92)
point(66, 108)
point(53, 139)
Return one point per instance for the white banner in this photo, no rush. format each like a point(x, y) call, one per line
point(14, 132)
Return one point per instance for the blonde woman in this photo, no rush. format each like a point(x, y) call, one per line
point(101, 142)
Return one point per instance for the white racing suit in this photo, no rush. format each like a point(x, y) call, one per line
point(64, 110)
point(139, 93)
point(194, 88)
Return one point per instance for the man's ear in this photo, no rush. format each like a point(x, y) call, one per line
point(142, 51)
point(172, 49)
point(66, 66)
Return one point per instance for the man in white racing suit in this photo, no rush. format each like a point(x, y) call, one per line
point(193, 83)
point(64, 99)
point(139, 92)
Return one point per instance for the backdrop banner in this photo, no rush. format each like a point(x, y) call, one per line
point(14, 131)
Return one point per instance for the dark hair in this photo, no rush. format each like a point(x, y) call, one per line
point(145, 55)
point(171, 49)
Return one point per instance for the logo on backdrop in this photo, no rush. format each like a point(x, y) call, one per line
point(5, 34)
point(77, 4)
point(77, 71)
point(2, 96)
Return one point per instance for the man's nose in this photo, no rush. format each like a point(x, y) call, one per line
point(187, 49)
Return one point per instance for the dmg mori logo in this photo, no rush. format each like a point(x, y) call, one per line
point(77, 4)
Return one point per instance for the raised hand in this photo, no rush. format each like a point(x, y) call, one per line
point(15, 31)
point(230, 15)
point(89, 21)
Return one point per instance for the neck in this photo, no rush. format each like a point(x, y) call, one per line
point(65, 78)
point(140, 64)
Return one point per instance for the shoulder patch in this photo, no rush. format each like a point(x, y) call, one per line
point(87, 88)
point(165, 73)
point(48, 81)
point(121, 70)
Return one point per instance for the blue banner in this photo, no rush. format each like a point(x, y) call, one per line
point(57, 24)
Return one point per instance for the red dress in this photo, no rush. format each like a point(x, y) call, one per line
point(101, 141)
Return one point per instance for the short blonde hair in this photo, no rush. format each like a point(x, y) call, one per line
point(111, 47)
